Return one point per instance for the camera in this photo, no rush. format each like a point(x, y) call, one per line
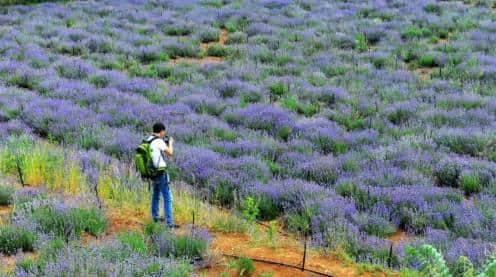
point(166, 139)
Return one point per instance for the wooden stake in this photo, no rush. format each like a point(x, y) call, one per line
point(304, 255)
point(390, 257)
point(19, 171)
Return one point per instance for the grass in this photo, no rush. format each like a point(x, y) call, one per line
point(13, 239)
point(6, 195)
point(244, 266)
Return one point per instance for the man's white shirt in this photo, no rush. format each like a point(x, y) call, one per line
point(157, 148)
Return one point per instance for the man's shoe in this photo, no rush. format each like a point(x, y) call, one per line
point(173, 226)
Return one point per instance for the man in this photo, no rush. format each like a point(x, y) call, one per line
point(159, 148)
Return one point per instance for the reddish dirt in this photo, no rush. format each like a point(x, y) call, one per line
point(205, 60)
point(4, 211)
point(424, 72)
point(122, 219)
point(399, 236)
point(288, 252)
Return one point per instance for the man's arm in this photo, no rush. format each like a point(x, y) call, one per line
point(170, 148)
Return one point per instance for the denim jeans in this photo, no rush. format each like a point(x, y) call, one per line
point(161, 186)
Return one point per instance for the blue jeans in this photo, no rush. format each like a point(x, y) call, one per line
point(161, 186)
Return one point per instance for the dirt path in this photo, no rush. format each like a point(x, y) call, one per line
point(287, 251)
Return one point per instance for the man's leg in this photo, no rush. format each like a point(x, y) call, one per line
point(155, 200)
point(167, 193)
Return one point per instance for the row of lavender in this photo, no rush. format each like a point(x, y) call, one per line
point(314, 110)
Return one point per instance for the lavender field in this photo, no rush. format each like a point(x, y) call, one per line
point(347, 121)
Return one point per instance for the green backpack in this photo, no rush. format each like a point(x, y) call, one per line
point(143, 159)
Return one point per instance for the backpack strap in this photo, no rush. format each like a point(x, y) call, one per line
point(150, 139)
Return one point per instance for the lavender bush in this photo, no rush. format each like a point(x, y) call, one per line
point(383, 109)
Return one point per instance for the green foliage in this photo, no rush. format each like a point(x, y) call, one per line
point(209, 35)
point(284, 133)
point(94, 221)
point(470, 183)
point(432, 262)
point(249, 208)
point(13, 239)
point(433, 8)
point(237, 38)
point(230, 224)
point(244, 266)
point(414, 31)
point(361, 43)
point(292, 103)
point(400, 116)
point(278, 89)
point(463, 268)
point(427, 60)
point(224, 194)
point(70, 222)
point(225, 134)
point(182, 50)
point(6, 194)
point(218, 50)
point(489, 269)
point(99, 81)
point(268, 208)
point(468, 144)
point(178, 30)
point(189, 246)
point(134, 240)
point(49, 252)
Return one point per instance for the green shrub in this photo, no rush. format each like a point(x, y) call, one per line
point(94, 221)
point(414, 31)
point(134, 240)
point(178, 30)
point(237, 38)
point(250, 97)
point(433, 8)
point(361, 43)
point(468, 144)
point(69, 223)
point(225, 134)
point(99, 81)
point(209, 35)
point(470, 183)
point(463, 268)
point(244, 266)
point(249, 208)
point(334, 70)
point(278, 89)
point(182, 50)
point(189, 246)
point(400, 116)
point(292, 103)
point(6, 195)
point(427, 60)
point(268, 208)
point(13, 239)
point(147, 57)
point(223, 194)
point(218, 50)
point(379, 227)
point(432, 262)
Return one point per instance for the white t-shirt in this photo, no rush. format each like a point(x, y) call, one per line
point(157, 147)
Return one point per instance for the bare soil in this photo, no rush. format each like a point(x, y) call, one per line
point(399, 236)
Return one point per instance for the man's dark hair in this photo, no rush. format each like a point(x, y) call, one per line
point(158, 127)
